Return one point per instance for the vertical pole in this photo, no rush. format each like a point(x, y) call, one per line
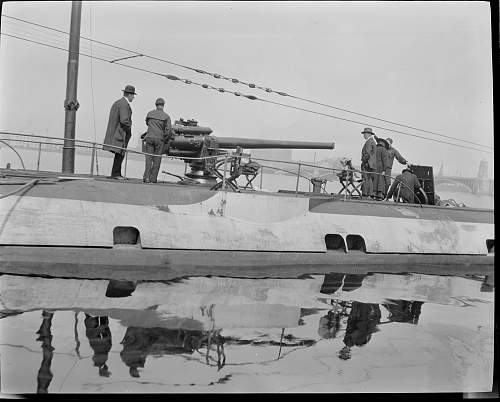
point(281, 342)
point(39, 152)
point(92, 162)
point(224, 177)
point(261, 176)
point(71, 104)
point(125, 168)
point(298, 176)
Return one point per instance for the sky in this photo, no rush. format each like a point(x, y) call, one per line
point(421, 64)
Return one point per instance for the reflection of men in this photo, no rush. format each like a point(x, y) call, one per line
point(119, 130)
point(362, 322)
point(404, 310)
point(368, 162)
point(391, 154)
point(329, 325)
point(99, 336)
point(159, 127)
point(406, 184)
point(138, 342)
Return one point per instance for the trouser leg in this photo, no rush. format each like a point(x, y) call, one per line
point(388, 173)
point(155, 168)
point(367, 186)
point(156, 161)
point(117, 165)
point(148, 148)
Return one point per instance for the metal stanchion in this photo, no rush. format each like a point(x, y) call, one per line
point(298, 176)
point(92, 162)
point(125, 168)
point(39, 154)
point(224, 176)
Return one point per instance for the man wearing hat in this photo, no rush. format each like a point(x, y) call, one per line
point(368, 162)
point(405, 184)
point(391, 153)
point(119, 130)
point(158, 134)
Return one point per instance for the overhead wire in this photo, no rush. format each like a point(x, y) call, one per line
point(252, 85)
point(251, 97)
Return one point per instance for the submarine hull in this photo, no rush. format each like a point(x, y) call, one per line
point(83, 222)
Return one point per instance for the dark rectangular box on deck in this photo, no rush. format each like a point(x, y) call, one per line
point(426, 177)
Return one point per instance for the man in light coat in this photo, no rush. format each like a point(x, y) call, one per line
point(119, 130)
point(391, 154)
point(368, 162)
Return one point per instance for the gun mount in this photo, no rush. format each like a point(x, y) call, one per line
point(200, 149)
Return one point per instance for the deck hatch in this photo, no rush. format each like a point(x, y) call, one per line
point(335, 242)
point(356, 243)
point(126, 235)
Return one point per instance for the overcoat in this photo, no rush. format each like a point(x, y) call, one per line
point(119, 128)
point(368, 153)
point(382, 162)
point(393, 153)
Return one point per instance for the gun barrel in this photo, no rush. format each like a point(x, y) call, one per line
point(251, 143)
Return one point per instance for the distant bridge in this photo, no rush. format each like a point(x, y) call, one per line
point(474, 185)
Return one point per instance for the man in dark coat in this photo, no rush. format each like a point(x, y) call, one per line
point(368, 162)
point(119, 130)
point(361, 324)
point(158, 134)
point(382, 162)
point(406, 183)
point(392, 153)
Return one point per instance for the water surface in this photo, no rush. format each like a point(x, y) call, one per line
point(339, 332)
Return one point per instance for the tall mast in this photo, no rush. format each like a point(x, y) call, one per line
point(71, 104)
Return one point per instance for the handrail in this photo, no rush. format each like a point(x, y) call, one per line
point(17, 153)
point(222, 156)
point(98, 144)
point(339, 170)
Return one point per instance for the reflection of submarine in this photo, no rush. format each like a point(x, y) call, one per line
point(182, 298)
point(377, 288)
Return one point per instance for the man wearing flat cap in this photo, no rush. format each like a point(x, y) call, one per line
point(155, 139)
point(368, 162)
point(119, 130)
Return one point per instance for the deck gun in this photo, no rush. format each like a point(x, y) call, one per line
point(192, 141)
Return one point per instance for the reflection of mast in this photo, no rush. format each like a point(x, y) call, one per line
point(44, 374)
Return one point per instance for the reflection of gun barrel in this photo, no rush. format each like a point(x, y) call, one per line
point(251, 143)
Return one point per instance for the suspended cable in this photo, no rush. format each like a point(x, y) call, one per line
point(251, 97)
point(372, 125)
point(251, 85)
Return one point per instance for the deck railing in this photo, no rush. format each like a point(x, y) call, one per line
point(5, 138)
